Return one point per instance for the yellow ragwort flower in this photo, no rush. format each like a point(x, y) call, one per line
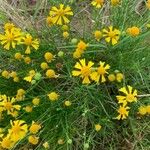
point(11, 38)
point(53, 96)
point(123, 112)
point(142, 110)
point(7, 143)
point(98, 35)
point(133, 31)
point(9, 26)
point(18, 130)
point(59, 14)
point(34, 128)
point(115, 2)
point(99, 75)
point(129, 95)
point(30, 42)
point(83, 70)
point(97, 3)
point(33, 139)
point(148, 4)
point(111, 35)
point(98, 127)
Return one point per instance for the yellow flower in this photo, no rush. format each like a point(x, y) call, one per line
point(98, 35)
point(115, 2)
point(16, 79)
point(142, 110)
point(60, 141)
point(65, 34)
point(50, 73)
point(99, 75)
point(111, 77)
point(11, 38)
point(59, 14)
point(48, 56)
point(34, 128)
point(27, 60)
point(98, 127)
point(9, 26)
point(67, 103)
point(148, 4)
point(129, 95)
point(18, 56)
point(82, 46)
point(28, 109)
point(97, 3)
point(148, 109)
point(77, 54)
point(123, 112)
point(133, 31)
point(111, 36)
point(5, 74)
point(33, 139)
point(46, 145)
point(84, 71)
point(7, 143)
point(65, 28)
point(30, 76)
point(18, 130)
point(29, 42)
point(8, 104)
point(119, 77)
point(53, 96)
point(49, 21)
point(36, 101)
point(20, 94)
point(44, 65)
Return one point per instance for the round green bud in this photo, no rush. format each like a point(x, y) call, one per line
point(74, 41)
point(37, 76)
point(33, 82)
point(60, 54)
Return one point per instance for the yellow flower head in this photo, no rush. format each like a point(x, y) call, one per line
point(98, 127)
point(50, 73)
point(84, 71)
point(44, 65)
point(77, 54)
point(34, 128)
point(133, 31)
point(123, 112)
point(30, 76)
point(82, 46)
point(36, 101)
point(148, 109)
point(11, 38)
point(28, 109)
point(98, 35)
point(20, 94)
point(99, 75)
point(59, 14)
point(18, 56)
point(27, 60)
point(97, 3)
point(65, 34)
point(7, 143)
point(67, 103)
point(115, 2)
point(46, 145)
point(111, 77)
point(18, 130)
point(9, 26)
point(48, 56)
point(142, 110)
point(5, 74)
point(129, 95)
point(9, 104)
point(148, 4)
point(53, 96)
point(111, 35)
point(30, 42)
point(119, 77)
point(33, 139)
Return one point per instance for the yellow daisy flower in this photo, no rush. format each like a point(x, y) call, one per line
point(99, 75)
point(123, 112)
point(18, 130)
point(59, 14)
point(115, 2)
point(84, 71)
point(9, 26)
point(97, 3)
point(111, 35)
point(129, 95)
point(11, 38)
point(133, 31)
point(30, 42)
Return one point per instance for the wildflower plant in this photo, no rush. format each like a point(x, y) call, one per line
point(75, 75)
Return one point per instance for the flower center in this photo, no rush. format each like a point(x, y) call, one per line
point(28, 41)
point(8, 105)
point(101, 70)
point(130, 97)
point(61, 12)
point(10, 38)
point(16, 129)
point(85, 71)
point(111, 34)
point(122, 110)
